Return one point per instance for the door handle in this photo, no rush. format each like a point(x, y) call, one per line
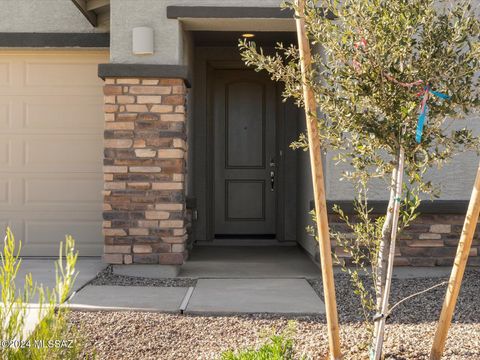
point(272, 162)
point(272, 180)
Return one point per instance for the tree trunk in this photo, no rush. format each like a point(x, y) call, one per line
point(388, 270)
point(384, 246)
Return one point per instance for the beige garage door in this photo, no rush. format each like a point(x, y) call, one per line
point(51, 149)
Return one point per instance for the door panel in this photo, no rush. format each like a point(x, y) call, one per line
point(245, 200)
point(245, 124)
point(244, 133)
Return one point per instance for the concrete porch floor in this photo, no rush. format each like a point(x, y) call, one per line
point(255, 262)
point(273, 262)
point(265, 262)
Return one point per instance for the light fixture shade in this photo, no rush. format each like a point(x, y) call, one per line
point(142, 40)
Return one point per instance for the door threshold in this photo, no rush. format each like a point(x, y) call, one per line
point(244, 242)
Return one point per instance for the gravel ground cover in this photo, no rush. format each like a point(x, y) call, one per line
point(409, 331)
point(107, 277)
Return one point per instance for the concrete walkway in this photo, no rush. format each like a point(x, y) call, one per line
point(245, 296)
point(230, 280)
point(132, 298)
point(43, 271)
point(208, 297)
point(43, 274)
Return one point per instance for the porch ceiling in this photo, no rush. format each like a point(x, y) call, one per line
point(230, 38)
point(95, 11)
point(231, 18)
point(240, 24)
point(235, 18)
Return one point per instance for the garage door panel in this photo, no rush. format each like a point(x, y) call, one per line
point(64, 113)
point(64, 153)
point(31, 193)
point(5, 198)
point(51, 114)
point(16, 211)
point(4, 73)
point(20, 92)
point(85, 231)
point(16, 225)
point(5, 152)
point(51, 149)
point(42, 237)
point(69, 191)
point(3, 225)
point(11, 154)
point(4, 114)
point(11, 194)
point(60, 74)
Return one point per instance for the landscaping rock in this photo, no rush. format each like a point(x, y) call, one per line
point(409, 331)
point(108, 277)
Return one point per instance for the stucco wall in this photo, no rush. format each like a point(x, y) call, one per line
point(169, 48)
point(188, 50)
point(455, 178)
point(44, 16)
point(304, 195)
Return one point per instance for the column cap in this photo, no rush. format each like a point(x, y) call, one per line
point(153, 71)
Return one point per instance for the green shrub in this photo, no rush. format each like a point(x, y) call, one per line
point(277, 347)
point(52, 337)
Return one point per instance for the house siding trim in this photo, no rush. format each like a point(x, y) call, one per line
point(439, 207)
point(228, 12)
point(232, 12)
point(55, 40)
point(144, 71)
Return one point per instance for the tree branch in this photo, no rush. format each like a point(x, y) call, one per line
point(415, 294)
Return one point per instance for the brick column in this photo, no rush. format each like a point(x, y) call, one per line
point(144, 171)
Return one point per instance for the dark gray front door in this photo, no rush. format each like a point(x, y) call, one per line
point(244, 105)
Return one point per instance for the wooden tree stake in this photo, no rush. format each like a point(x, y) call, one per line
point(458, 270)
point(318, 185)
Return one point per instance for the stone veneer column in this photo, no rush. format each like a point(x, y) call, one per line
point(144, 171)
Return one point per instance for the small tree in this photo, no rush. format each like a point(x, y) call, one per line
point(385, 65)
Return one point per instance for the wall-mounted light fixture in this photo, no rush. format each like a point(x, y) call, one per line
point(142, 40)
point(248, 35)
